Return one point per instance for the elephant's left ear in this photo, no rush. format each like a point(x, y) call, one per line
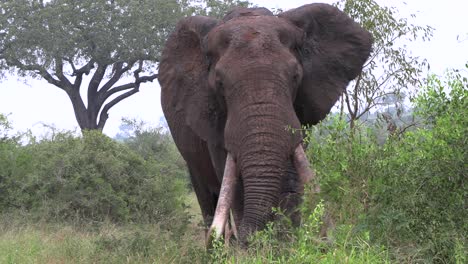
point(333, 53)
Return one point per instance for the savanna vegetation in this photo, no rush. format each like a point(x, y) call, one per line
point(88, 198)
point(392, 169)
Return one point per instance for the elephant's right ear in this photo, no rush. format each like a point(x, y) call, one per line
point(183, 75)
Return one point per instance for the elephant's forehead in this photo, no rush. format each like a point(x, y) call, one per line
point(262, 24)
point(248, 28)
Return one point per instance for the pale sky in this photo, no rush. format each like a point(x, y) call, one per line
point(30, 102)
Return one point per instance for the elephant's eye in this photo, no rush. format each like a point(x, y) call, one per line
point(296, 77)
point(219, 84)
point(284, 38)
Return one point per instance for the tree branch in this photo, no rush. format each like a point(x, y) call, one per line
point(59, 73)
point(39, 70)
point(104, 113)
point(355, 95)
point(136, 87)
point(86, 69)
point(348, 103)
point(95, 81)
point(118, 70)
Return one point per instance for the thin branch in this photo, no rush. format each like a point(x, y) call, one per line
point(117, 89)
point(355, 95)
point(127, 86)
point(148, 78)
point(136, 87)
point(348, 103)
point(39, 70)
point(86, 69)
point(403, 130)
point(70, 61)
point(118, 70)
point(370, 60)
point(104, 113)
point(59, 72)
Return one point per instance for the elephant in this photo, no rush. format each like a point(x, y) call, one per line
point(235, 90)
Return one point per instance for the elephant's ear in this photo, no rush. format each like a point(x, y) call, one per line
point(183, 75)
point(333, 53)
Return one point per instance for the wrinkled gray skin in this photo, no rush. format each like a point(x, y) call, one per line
point(234, 86)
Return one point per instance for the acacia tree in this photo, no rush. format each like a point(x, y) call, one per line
point(63, 41)
point(391, 71)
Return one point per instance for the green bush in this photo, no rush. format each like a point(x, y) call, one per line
point(88, 178)
point(281, 243)
point(419, 188)
point(342, 159)
point(410, 192)
point(156, 145)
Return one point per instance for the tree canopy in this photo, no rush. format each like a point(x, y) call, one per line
point(63, 41)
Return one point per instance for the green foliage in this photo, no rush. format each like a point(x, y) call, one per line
point(62, 41)
point(421, 187)
point(5, 126)
point(303, 244)
point(218, 9)
point(89, 178)
point(408, 193)
point(44, 33)
point(340, 157)
point(154, 144)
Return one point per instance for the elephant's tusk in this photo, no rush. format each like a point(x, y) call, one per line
point(226, 197)
point(302, 165)
point(233, 226)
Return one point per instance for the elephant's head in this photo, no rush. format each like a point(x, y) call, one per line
point(245, 80)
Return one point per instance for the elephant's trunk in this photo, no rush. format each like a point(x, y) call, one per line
point(261, 175)
point(257, 133)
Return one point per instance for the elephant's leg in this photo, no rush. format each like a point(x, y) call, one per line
point(202, 174)
point(206, 198)
point(204, 181)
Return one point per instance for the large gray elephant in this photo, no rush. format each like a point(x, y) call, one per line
point(231, 88)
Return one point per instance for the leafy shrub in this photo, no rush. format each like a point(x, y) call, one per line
point(90, 178)
point(154, 144)
point(419, 187)
point(342, 159)
point(410, 192)
point(8, 155)
point(303, 244)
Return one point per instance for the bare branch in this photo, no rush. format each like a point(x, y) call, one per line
point(118, 71)
point(348, 103)
point(127, 86)
point(147, 78)
point(355, 95)
point(117, 89)
point(38, 70)
point(96, 80)
point(104, 113)
point(135, 87)
point(86, 69)
point(59, 72)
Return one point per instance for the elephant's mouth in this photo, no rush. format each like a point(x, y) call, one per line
point(220, 225)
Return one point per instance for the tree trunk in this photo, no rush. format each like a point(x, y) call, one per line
point(86, 117)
